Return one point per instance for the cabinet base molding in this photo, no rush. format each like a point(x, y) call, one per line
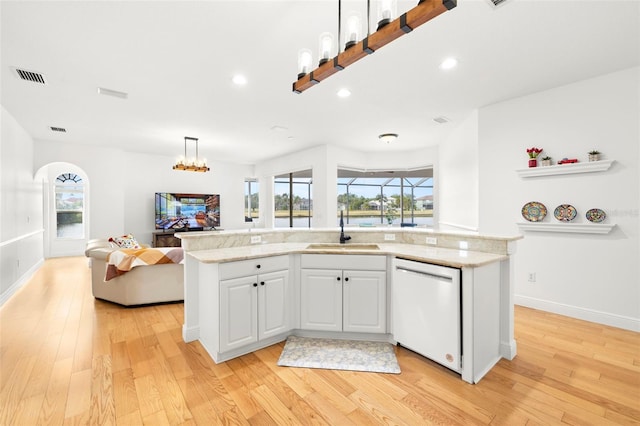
point(343, 335)
point(219, 357)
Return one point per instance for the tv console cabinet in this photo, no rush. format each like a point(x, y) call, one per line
point(166, 239)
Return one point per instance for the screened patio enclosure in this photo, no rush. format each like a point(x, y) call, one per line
point(390, 197)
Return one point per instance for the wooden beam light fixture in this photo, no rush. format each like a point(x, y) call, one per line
point(387, 31)
point(192, 164)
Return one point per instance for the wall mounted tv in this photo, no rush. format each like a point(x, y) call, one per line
point(187, 212)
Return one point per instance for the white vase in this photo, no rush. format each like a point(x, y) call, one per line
point(545, 163)
point(594, 157)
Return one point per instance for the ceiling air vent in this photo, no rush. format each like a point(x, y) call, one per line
point(34, 77)
point(441, 119)
point(58, 129)
point(497, 3)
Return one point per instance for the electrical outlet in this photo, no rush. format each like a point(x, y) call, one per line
point(532, 277)
point(389, 237)
point(464, 245)
point(255, 239)
point(432, 240)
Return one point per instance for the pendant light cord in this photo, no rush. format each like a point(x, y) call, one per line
point(368, 18)
point(339, 21)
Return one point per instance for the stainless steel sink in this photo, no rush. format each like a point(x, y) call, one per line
point(345, 247)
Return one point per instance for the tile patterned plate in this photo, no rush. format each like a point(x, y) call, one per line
point(565, 213)
point(596, 215)
point(534, 211)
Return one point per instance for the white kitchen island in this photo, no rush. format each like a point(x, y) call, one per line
point(245, 290)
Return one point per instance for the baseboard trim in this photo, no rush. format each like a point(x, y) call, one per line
point(20, 282)
point(508, 350)
point(190, 334)
point(591, 315)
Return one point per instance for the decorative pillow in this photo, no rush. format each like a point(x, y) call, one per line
point(126, 241)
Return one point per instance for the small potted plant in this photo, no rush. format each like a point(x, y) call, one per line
point(533, 156)
point(594, 155)
point(545, 161)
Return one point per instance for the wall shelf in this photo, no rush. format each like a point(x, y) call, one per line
point(566, 169)
point(575, 228)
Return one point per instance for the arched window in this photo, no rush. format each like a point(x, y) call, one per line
point(69, 195)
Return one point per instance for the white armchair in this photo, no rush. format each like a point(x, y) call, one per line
point(140, 286)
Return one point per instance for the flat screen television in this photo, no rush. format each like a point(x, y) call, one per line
point(187, 212)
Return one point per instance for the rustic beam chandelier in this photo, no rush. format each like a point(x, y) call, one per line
point(388, 30)
point(193, 164)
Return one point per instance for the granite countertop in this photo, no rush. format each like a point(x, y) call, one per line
point(435, 255)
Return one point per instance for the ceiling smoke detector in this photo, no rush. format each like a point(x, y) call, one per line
point(32, 76)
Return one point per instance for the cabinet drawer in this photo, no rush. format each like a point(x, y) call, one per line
point(243, 268)
point(363, 262)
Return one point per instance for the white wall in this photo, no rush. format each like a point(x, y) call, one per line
point(21, 221)
point(457, 183)
point(223, 178)
point(107, 172)
point(123, 186)
point(589, 276)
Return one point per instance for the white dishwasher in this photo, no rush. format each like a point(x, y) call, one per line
point(426, 311)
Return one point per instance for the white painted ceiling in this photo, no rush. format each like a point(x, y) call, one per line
point(176, 59)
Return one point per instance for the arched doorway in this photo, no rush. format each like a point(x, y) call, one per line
point(65, 202)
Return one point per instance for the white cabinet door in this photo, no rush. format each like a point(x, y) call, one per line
point(238, 312)
point(365, 301)
point(321, 299)
point(274, 304)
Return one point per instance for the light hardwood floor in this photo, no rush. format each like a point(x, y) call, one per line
point(70, 359)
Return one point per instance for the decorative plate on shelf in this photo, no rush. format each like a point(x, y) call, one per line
point(565, 213)
point(596, 215)
point(534, 211)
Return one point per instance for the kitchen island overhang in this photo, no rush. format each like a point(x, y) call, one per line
point(486, 266)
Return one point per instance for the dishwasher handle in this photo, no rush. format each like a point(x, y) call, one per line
point(427, 274)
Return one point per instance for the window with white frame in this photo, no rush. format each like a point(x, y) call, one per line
point(69, 206)
point(293, 202)
point(251, 200)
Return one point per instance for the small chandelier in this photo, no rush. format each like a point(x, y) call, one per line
point(191, 164)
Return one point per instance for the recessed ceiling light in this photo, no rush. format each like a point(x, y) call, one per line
point(344, 93)
point(239, 79)
point(441, 120)
point(449, 63)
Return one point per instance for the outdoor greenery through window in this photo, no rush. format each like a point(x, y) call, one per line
point(402, 198)
point(69, 192)
point(251, 199)
point(293, 203)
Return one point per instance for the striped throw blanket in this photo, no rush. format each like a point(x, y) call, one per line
point(122, 261)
